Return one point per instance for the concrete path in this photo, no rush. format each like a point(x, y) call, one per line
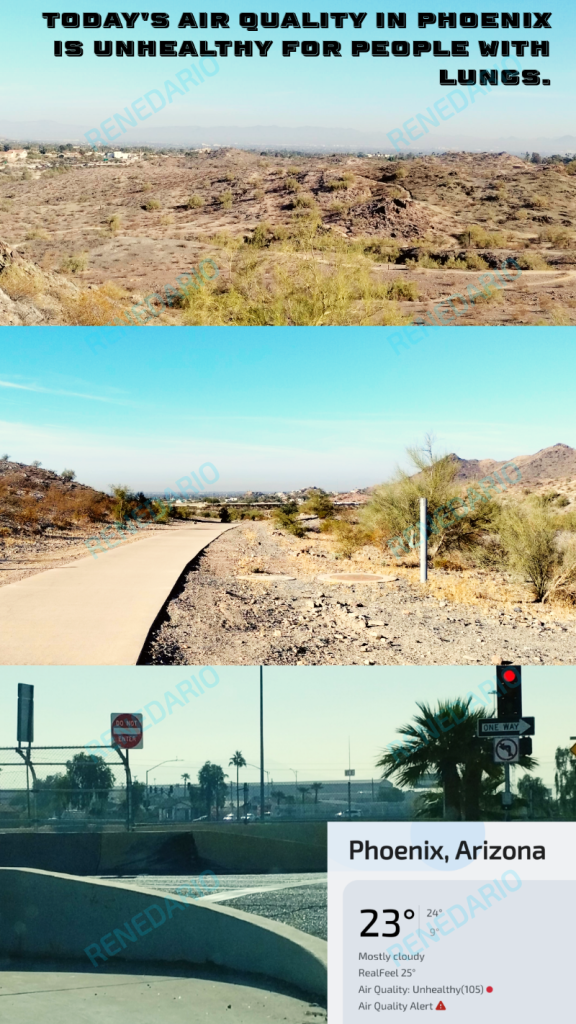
point(97, 610)
point(55, 993)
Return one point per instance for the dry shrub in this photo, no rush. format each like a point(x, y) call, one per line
point(95, 306)
point(195, 202)
point(76, 263)
point(20, 283)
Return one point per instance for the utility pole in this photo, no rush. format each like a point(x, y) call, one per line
point(261, 744)
point(423, 540)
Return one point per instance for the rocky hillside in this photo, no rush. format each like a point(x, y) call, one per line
point(33, 499)
point(548, 465)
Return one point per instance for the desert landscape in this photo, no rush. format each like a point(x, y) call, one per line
point(290, 239)
point(311, 578)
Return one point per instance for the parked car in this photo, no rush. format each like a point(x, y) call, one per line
point(344, 815)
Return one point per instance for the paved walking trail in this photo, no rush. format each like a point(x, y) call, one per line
point(97, 610)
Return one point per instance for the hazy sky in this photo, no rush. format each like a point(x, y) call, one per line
point(309, 713)
point(278, 407)
point(363, 93)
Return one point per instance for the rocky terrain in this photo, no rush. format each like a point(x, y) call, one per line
point(219, 617)
point(83, 242)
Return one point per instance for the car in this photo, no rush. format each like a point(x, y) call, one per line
point(229, 817)
point(345, 815)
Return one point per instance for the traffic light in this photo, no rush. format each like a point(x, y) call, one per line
point(509, 689)
point(525, 745)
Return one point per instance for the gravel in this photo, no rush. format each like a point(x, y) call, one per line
point(217, 618)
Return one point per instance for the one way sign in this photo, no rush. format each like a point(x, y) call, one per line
point(498, 727)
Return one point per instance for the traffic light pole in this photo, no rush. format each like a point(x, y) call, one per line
point(126, 761)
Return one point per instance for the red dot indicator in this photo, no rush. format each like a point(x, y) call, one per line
point(489, 988)
point(509, 676)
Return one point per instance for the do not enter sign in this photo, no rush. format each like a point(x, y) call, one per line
point(127, 731)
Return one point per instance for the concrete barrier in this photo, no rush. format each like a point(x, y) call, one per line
point(261, 848)
point(44, 915)
point(101, 853)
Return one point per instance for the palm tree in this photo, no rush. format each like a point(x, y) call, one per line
point(316, 786)
point(211, 778)
point(304, 790)
point(278, 796)
point(186, 778)
point(443, 744)
point(239, 762)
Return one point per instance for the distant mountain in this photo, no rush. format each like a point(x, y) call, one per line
point(554, 463)
point(277, 136)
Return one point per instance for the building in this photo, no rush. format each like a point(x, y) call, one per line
point(122, 157)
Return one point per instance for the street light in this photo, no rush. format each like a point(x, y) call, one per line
point(248, 765)
point(296, 774)
point(170, 760)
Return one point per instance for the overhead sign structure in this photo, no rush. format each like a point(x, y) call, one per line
point(524, 726)
point(507, 750)
point(127, 731)
point(349, 771)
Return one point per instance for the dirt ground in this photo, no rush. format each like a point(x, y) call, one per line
point(97, 212)
point(473, 617)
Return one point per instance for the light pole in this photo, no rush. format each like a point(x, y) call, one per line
point(170, 760)
point(267, 773)
point(296, 774)
point(261, 743)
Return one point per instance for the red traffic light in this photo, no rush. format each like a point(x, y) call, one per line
point(509, 675)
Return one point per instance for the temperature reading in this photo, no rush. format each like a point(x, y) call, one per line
point(434, 913)
point(391, 921)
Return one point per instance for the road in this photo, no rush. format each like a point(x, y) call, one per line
point(129, 994)
point(295, 899)
point(97, 610)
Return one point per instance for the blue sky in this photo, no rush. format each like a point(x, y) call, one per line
point(363, 93)
point(309, 713)
point(277, 408)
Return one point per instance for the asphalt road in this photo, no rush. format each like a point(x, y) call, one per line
point(299, 900)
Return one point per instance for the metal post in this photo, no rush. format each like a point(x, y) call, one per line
point(128, 792)
point(423, 540)
point(349, 799)
point(507, 795)
point(261, 744)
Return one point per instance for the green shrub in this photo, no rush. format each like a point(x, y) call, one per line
point(292, 185)
point(195, 202)
point(532, 261)
point(476, 237)
point(75, 264)
point(152, 204)
point(225, 200)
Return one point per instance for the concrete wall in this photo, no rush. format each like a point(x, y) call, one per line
point(52, 916)
point(270, 847)
point(101, 853)
point(263, 848)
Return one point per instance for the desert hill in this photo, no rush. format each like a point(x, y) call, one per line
point(33, 499)
point(555, 463)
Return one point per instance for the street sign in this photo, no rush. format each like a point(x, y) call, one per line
point(497, 727)
point(25, 727)
point(507, 750)
point(573, 750)
point(127, 731)
point(350, 771)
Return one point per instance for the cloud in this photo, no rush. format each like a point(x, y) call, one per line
point(53, 391)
